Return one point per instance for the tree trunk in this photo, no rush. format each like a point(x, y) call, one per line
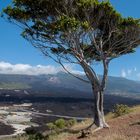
point(99, 119)
point(98, 89)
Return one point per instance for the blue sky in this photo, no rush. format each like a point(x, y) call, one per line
point(15, 50)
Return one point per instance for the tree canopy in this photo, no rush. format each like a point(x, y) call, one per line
point(67, 27)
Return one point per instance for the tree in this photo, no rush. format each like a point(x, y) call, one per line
point(80, 32)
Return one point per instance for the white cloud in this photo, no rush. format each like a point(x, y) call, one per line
point(135, 69)
point(123, 73)
point(129, 72)
point(8, 68)
point(138, 75)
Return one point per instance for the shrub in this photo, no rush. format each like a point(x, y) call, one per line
point(37, 136)
point(121, 109)
point(60, 123)
point(51, 126)
point(31, 131)
point(71, 122)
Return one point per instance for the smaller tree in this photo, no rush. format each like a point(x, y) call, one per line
point(80, 32)
point(121, 109)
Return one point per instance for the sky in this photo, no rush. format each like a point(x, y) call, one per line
point(17, 56)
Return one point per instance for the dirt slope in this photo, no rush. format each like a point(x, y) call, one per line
point(126, 127)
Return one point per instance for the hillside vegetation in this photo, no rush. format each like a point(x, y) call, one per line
point(125, 127)
point(13, 85)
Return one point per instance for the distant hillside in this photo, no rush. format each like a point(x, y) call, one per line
point(13, 85)
point(63, 84)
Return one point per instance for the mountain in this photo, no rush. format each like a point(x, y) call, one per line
point(64, 85)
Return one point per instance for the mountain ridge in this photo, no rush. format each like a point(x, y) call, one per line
point(63, 83)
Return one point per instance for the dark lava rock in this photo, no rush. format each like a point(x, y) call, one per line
point(6, 129)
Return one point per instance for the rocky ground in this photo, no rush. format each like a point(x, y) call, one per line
point(6, 129)
point(12, 120)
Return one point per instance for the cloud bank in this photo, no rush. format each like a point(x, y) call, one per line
point(123, 73)
point(8, 68)
point(128, 73)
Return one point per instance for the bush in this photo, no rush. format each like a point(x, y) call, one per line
point(37, 136)
point(71, 122)
point(60, 123)
point(121, 109)
point(33, 134)
point(31, 131)
point(51, 126)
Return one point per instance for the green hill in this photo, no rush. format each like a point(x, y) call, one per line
point(13, 85)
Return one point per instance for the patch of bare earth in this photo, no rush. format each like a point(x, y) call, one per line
point(122, 128)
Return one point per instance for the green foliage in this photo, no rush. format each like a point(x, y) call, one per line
point(17, 13)
point(33, 134)
point(14, 85)
point(85, 25)
point(121, 109)
point(65, 23)
point(51, 126)
point(61, 124)
point(30, 131)
point(86, 3)
point(71, 24)
point(71, 122)
point(37, 136)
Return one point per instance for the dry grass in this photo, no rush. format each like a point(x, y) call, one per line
point(114, 137)
point(135, 109)
point(109, 116)
point(120, 129)
point(15, 138)
point(82, 124)
point(62, 136)
point(111, 136)
point(66, 136)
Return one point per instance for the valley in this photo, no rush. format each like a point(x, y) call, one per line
point(47, 98)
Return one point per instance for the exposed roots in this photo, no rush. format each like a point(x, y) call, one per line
point(89, 127)
point(88, 132)
point(92, 129)
point(97, 129)
point(106, 125)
